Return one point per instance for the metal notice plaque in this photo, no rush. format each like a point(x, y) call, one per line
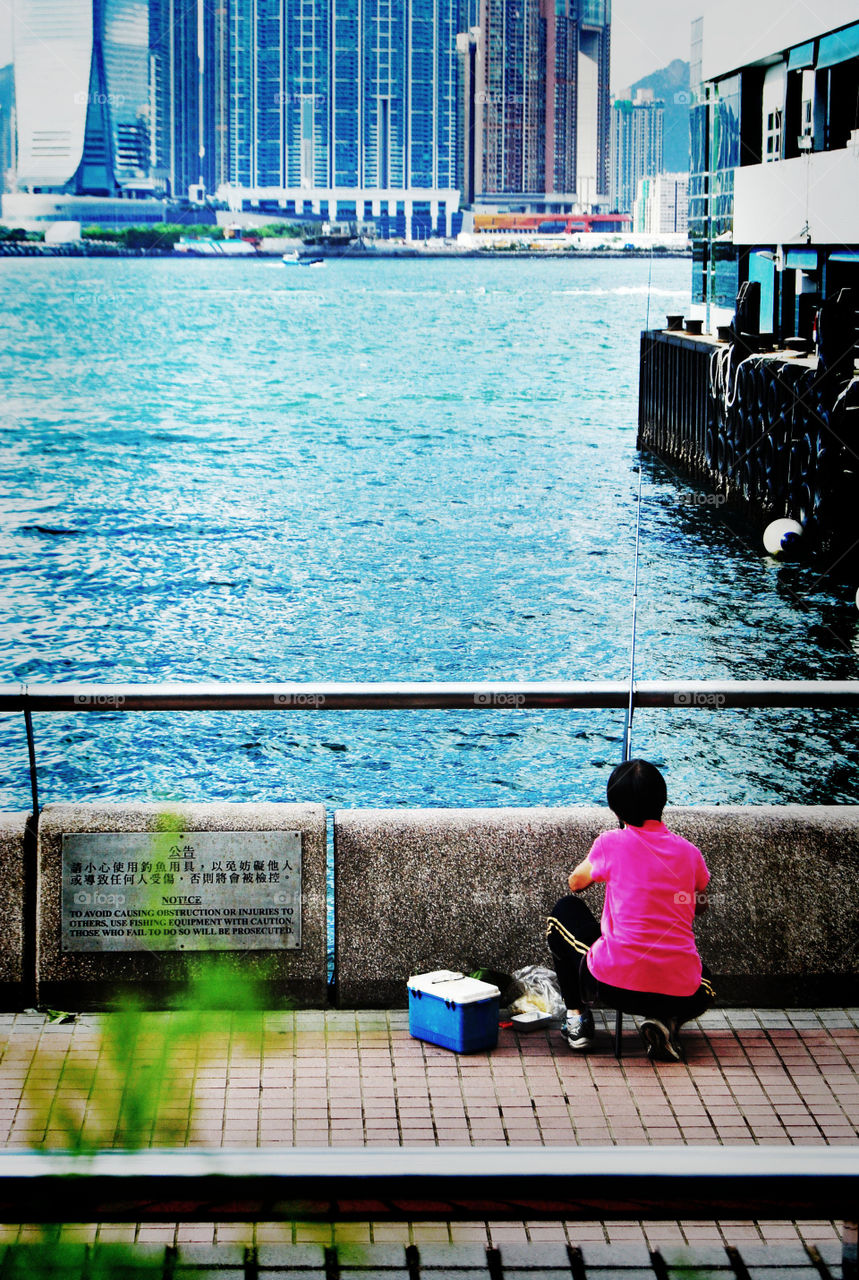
point(182, 891)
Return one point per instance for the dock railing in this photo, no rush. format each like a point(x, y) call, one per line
point(438, 695)
point(401, 1184)
point(431, 695)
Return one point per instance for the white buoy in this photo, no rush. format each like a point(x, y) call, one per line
point(782, 538)
point(857, 599)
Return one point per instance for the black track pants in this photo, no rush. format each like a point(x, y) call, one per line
point(571, 931)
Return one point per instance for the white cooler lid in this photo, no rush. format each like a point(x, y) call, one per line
point(448, 984)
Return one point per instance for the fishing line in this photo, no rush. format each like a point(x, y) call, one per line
point(627, 728)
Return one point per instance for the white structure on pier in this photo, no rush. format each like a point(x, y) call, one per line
point(774, 187)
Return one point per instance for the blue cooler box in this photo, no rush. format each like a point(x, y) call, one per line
point(453, 1011)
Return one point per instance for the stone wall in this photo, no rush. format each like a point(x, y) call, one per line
point(70, 978)
point(418, 890)
point(456, 888)
point(13, 893)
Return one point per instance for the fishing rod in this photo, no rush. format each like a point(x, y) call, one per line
point(627, 729)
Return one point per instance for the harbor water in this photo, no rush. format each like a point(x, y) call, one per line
point(414, 470)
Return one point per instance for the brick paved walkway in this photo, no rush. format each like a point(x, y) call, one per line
point(346, 1078)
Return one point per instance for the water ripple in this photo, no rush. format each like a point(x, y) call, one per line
point(413, 470)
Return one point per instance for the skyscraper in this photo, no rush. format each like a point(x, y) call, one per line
point(539, 104)
point(662, 205)
point(333, 102)
point(7, 127)
point(593, 122)
point(369, 93)
point(257, 68)
point(177, 89)
point(82, 95)
point(562, 56)
point(636, 146)
point(513, 96)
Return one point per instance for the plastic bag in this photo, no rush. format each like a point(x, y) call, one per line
point(542, 993)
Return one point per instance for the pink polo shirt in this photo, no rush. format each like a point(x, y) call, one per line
point(651, 877)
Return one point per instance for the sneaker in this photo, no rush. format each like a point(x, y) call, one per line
point(578, 1031)
point(661, 1040)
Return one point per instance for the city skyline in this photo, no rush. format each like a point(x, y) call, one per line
point(636, 50)
point(326, 109)
point(349, 112)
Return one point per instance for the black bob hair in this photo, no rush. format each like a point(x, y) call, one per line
point(636, 792)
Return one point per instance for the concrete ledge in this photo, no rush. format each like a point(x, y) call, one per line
point(13, 827)
point(423, 889)
point(784, 895)
point(76, 979)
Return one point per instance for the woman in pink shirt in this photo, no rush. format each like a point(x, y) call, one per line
point(643, 958)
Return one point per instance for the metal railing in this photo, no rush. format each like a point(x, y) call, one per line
point(405, 1184)
point(435, 695)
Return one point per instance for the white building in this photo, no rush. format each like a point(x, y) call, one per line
point(774, 187)
point(637, 129)
point(662, 205)
point(82, 95)
point(409, 214)
point(81, 72)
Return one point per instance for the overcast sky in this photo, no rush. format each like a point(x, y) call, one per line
point(646, 35)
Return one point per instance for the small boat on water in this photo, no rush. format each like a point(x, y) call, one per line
point(207, 247)
point(294, 259)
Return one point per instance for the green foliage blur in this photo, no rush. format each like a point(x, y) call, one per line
point(137, 1093)
point(18, 234)
point(159, 235)
point(164, 235)
point(280, 231)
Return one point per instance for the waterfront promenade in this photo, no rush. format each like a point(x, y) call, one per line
point(345, 1078)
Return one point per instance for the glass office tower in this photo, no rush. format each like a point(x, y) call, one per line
point(179, 145)
point(369, 93)
point(82, 94)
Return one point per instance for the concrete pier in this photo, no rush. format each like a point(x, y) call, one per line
point(356, 1078)
point(771, 431)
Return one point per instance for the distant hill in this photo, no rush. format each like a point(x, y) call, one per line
point(671, 84)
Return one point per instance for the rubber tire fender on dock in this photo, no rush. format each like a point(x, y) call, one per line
point(807, 505)
point(774, 402)
point(747, 478)
point(775, 460)
point(807, 458)
point(752, 432)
